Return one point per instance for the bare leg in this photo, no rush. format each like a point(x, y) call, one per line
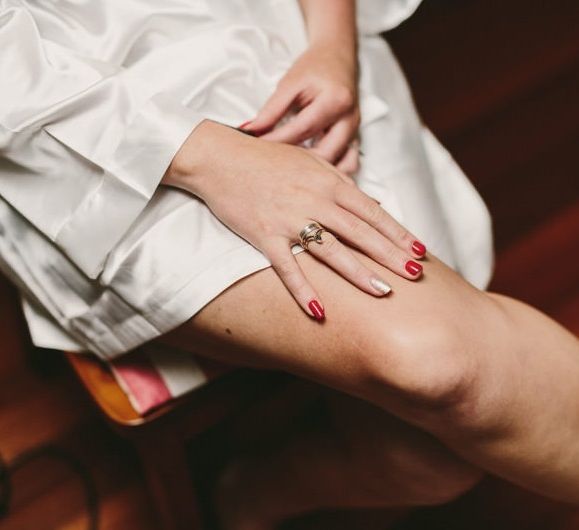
point(365, 459)
point(494, 380)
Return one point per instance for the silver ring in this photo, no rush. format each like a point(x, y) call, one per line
point(311, 232)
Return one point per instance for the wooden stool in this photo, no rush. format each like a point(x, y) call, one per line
point(161, 437)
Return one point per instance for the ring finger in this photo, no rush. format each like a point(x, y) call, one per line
point(338, 257)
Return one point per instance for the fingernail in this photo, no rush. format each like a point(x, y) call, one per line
point(317, 310)
point(380, 285)
point(413, 268)
point(419, 248)
point(244, 124)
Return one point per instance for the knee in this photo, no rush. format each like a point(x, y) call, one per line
point(430, 366)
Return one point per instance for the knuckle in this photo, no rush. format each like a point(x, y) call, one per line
point(304, 129)
point(349, 168)
point(284, 267)
point(300, 287)
point(402, 235)
point(346, 191)
point(340, 189)
point(263, 228)
point(343, 97)
point(324, 152)
point(292, 277)
point(356, 227)
point(374, 213)
point(360, 273)
point(391, 254)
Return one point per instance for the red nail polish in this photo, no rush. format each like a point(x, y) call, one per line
point(317, 310)
point(419, 248)
point(244, 124)
point(413, 268)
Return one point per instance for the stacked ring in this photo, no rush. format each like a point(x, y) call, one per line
point(311, 232)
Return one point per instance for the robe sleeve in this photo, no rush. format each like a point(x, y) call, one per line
point(377, 16)
point(82, 147)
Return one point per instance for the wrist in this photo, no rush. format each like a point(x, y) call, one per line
point(193, 162)
point(332, 24)
point(337, 49)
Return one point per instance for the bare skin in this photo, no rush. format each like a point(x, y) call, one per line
point(468, 367)
point(322, 85)
point(263, 190)
point(450, 380)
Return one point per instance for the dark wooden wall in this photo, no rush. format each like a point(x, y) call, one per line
point(498, 81)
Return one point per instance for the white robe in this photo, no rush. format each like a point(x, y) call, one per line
point(96, 98)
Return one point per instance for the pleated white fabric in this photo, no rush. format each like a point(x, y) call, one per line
point(95, 99)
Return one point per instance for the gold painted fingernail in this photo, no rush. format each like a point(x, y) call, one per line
point(380, 285)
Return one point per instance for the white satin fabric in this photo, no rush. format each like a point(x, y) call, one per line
point(96, 96)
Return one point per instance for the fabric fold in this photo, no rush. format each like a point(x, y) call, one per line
point(83, 145)
point(96, 98)
point(378, 16)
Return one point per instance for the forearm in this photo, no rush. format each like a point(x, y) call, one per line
point(192, 164)
point(332, 22)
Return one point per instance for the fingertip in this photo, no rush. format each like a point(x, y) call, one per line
point(316, 310)
point(413, 268)
point(263, 121)
point(258, 126)
point(419, 249)
point(381, 287)
point(272, 111)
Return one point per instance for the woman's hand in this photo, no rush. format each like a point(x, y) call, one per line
point(322, 87)
point(267, 192)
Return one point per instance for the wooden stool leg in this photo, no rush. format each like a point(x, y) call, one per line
point(165, 464)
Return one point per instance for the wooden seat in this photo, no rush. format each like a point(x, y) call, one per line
point(104, 390)
point(161, 437)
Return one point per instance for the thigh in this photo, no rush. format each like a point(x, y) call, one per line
point(490, 377)
point(257, 323)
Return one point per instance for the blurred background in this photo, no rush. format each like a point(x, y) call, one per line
point(498, 83)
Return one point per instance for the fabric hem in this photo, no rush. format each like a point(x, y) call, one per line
point(130, 178)
point(184, 304)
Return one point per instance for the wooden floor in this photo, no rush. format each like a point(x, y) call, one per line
point(41, 403)
point(499, 88)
